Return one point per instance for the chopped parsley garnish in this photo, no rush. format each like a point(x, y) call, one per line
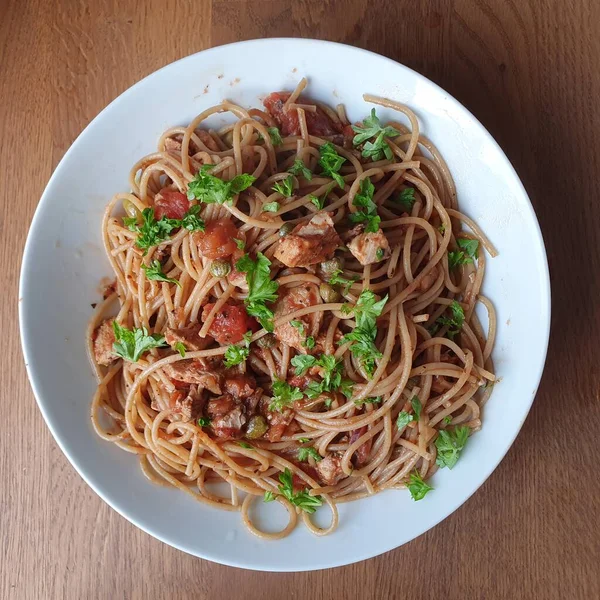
point(180, 347)
point(303, 440)
point(417, 487)
point(379, 254)
point(304, 453)
point(403, 419)
point(320, 202)
point(309, 341)
point(130, 344)
point(245, 445)
point(283, 395)
point(210, 189)
point(336, 279)
point(363, 335)
point(203, 422)
point(234, 355)
point(376, 400)
point(364, 201)
point(330, 372)
point(331, 162)
point(270, 207)
point(449, 444)
point(407, 198)
point(152, 231)
point(241, 244)
point(154, 272)
point(416, 406)
point(371, 128)
point(285, 187)
point(448, 419)
point(260, 288)
point(299, 168)
point(303, 500)
point(191, 221)
point(468, 250)
point(275, 136)
point(454, 323)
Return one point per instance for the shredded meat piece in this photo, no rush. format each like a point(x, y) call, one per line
point(103, 340)
point(189, 405)
point(278, 423)
point(240, 386)
point(428, 280)
point(188, 336)
point(173, 146)
point(365, 247)
point(207, 140)
point(227, 417)
point(330, 469)
point(309, 243)
point(193, 371)
point(296, 298)
point(362, 453)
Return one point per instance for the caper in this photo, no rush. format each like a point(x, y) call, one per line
point(285, 229)
point(329, 294)
point(131, 209)
point(257, 426)
point(267, 341)
point(329, 267)
point(220, 268)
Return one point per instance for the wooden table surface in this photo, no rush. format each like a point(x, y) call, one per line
point(532, 76)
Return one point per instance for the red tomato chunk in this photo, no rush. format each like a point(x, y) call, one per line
point(217, 240)
point(230, 323)
point(170, 204)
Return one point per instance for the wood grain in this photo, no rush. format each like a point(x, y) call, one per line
point(530, 72)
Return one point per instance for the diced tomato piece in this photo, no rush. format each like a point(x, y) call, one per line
point(317, 123)
point(170, 204)
point(217, 240)
point(230, 323)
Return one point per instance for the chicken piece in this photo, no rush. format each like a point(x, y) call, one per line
point(296, 298)
point(227, 417)
point(240, 386)
point(428, 280)
point(189, 405)
point(278, 423)
point(309, 243)
point(207, 140)
point(173, 146)
point(193, 371)
point(370, 248)
point(188, 336)
point(103, 339)
point(362, 453)
point(330, 469)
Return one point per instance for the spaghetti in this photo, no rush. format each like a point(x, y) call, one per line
point(293, 311)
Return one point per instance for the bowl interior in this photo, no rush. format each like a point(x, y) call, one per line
point(64, 262)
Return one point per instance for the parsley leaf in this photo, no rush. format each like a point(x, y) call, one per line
point(454, 323)
point(275, 136)
point(304, 453)
point(379, 254)
point(331, 162)
point(363, 335)
point(210, 189)
point(191, 221)
point(241, 244)
point(203, 422)
point(303, 440)
point(283, 395)
point(417, 487)
point(449, 445)
point(154, 272)
point(151, 232)
point(416, 406)
point(270, 207)
point(234, 355)
point(309, 341)
point(371, 128)
point(303, 362)
point(468, 251)
point(347, 387)
point(269, 496)
point(245, 445)
point(448, 419)
point(368, 401)
point(285, 187)
point(303, 499)
point(180, 347)
point(364, 199)
point(299, 168)
point(335, 279)
point(407, 198)
point(330, 372)
point(261, 288)
point(130, 344)
point(403, 419)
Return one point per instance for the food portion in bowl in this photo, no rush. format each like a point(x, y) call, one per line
point(293, 311)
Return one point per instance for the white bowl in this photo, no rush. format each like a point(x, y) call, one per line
point(64, 262)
